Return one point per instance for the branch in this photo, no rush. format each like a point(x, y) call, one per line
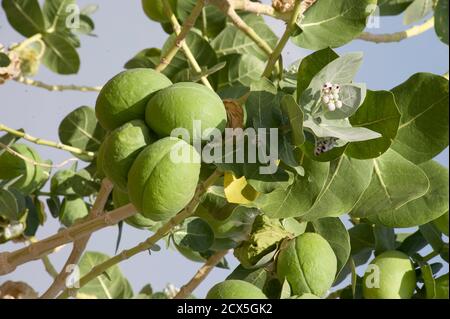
point(201, 274)
point(188, 211)
point(57, 88)
point(187, 26)
point(39, 141)
point(187, 51)
point(398, 36)
point(10, 260)
point(79, 245)
point(260, 9)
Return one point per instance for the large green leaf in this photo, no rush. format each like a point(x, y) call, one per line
point(417, 10)
point(334, 231)
point(60, 55)
point(295, 119)
point(424, 209)
point(395, 182)
point(378, 113)
point(69, 182)
point(240, 69)
point(256, 277)
point(393, 7)
point(333, 23)
point(146, 58)
point(423, 104)
point(111, 285)
point(338, 196)
point(12, 205)
point(195, 234)
point(232, 40)
point(80, 129)
point(441, 22)
point(25, 16)
point(57, 12)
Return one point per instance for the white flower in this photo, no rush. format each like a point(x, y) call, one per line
point(326, 99)
point(332, 106)
point(339, 104)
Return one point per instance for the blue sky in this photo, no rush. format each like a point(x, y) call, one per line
point(122, 31)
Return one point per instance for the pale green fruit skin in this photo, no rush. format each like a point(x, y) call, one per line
point(180, 104)
point(157, 186)
point(305, 296)
point(442, 223)
point(154, 9)
point(442, 287)
point(121, 148)
point(397, 277)
point(235, 289)
point(309, 265)
point(121, 199)
point(125, 96)
point(72, 210)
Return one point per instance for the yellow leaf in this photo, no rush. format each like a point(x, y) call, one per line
point(237, 190)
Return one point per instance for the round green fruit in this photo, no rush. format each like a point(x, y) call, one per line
point(121, 199)
point(235, 289)
point(121, 148)
point(390, 275)
point(442, 224)
point(72, 210)
point(154, 9)
point(178, 106)
point(161, 184)
point(125, 96)
point(309, 265)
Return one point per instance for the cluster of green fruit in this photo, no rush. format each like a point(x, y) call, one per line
point(140, 108)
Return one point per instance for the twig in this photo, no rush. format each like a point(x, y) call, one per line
point(187, 26)
point(398, 36)
point(201, 274)
point(260, 9)
point(79, 245)
point(57, 88)
point(9, 261)
point(49, 268)
point(187, 51)
point(188, 211)
point(40, 141)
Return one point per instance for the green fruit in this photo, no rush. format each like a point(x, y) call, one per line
point(125, 96)
point(154, 9)
point(442, 224)
point(72, 210)
point(397, 278)
point(235, 289)
point(121, 199)
point(180, 104)
point(442, 287)
point(309, 264)
point(305, 296)
point(121, 148)
point(159, 186)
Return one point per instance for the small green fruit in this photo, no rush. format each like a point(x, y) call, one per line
point(309, 264)
point(72, 210)
point(442, 224)
point(235, 289)
point(179, 105)
point(121, 148)
point(154, 9)
point(121, 199)
point(125, 96)
point(393, 277)
point(159, 183)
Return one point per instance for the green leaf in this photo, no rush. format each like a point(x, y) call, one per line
point(423, 209)
point(333, 23)
point(395, 182)
point(240, 69)
point(352, 97)
point(384, 239)
point(8, 140)
point(423, 103)
point(12, 205)
point(338, 196)
point(428, 280)
point(81, 129)
point(393, 7)
point(295, 117)
point(56, 12)
point(111, 285)
point(310, 66)
point(4, 60)
point(413, 243)
point(361, 238)
point(417, 10)
point(87, 25)
point(433, 237)
point(256, 277)
point(69, 182)
point(380, 114)
point(441, 21)
point(147, 58)
point(60, 55)
point(232, 40)
point(334, 231)
point(195, 234)
point(25, 16)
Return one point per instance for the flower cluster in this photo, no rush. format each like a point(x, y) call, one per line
point(324, 145)
point(331, 97)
